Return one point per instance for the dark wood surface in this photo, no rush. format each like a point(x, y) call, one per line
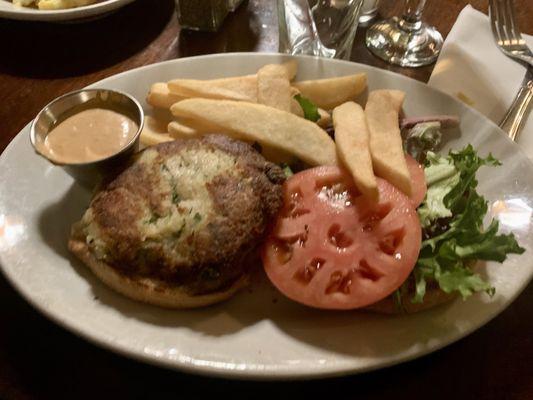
point(38, 359)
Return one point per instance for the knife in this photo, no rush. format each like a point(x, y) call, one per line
point(514, 119)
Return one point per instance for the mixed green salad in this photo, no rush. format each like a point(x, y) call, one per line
point(452, 216)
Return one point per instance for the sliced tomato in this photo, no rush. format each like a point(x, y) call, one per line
point(418, 180)
point(331, 248)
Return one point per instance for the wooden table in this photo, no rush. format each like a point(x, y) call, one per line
point(40, 360)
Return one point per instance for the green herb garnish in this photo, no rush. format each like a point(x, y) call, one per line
point(175, 197)
point(178, 233)
point(286, 170)
point(309, 108)
point(153, 219)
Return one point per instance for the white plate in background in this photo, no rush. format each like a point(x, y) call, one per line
point(8, 10)
point(258, 334)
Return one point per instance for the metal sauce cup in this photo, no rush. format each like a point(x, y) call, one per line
point(90, 173)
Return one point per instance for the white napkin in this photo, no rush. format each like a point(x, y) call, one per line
point(471, 67)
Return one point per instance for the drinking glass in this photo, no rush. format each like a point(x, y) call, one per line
point(369, 11)
point(405, 41)
point(201, 15)
point(325, 28)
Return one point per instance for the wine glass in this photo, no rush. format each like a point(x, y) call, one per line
point(405, 41)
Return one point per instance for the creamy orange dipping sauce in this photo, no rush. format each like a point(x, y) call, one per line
point(88, 136)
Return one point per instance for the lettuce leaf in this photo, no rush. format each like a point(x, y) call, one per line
point(445, 258)
point(464, 281)
point(287, 170)
point(441, 178)
point(467, 163)
point(309, 108)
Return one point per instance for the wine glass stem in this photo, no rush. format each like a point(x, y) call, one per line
point(412, 15)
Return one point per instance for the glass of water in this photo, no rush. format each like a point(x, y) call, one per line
point(324, 28)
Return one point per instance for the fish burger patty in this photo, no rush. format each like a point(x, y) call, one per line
point(180, 226)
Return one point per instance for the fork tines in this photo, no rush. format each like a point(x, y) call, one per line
point(503, 24)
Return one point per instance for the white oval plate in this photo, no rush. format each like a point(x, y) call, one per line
point(8, 10)
point(257, 334)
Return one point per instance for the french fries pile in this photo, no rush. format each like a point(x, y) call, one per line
point(266, 108)
point(256, 108)
point(369, 142)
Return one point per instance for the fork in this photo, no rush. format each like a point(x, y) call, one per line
point(510, 42)
point(506, 33)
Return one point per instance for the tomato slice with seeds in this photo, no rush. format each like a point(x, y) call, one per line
point(331, 248)
point(418, 180)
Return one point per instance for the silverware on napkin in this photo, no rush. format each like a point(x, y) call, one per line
point(510, 42)
point(516, 115)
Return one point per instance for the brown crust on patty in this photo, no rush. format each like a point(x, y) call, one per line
point(148, 290)
point(118, 220)
point(242, 207)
